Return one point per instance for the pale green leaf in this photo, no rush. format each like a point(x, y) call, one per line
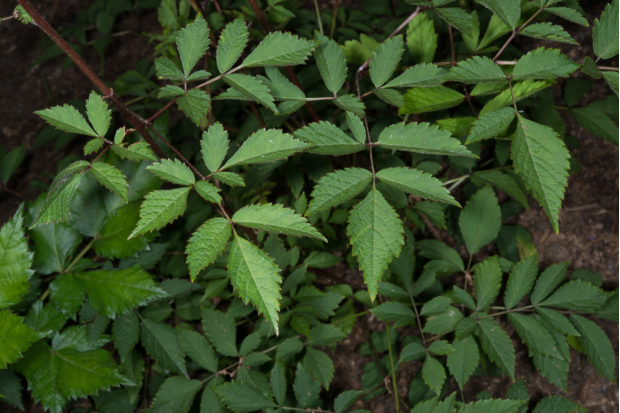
point(543, 63)
point(491, 124)
point(160, 342)
point(385, 60)
point(417, 183)
point(535, 335)
point(199, 75)
point(243, 398)
point(541, 159)
point(192, 42)
point(376, 236)
point(196, 346)
point(275, 218)
point(232, 41)
point(596, 345)
point(195, 103)
point(139, 151)
point(68, 119)
point(356, 126)
point(577, 295)
point(548, 31)
point(167, 69)
point(327, 139)
point(173, 171)
point(390, 96)
point(266, 146)
point(229, 178)
point(170, 91)
point(503, 182)
point(520, 90)
point(480, 220)
point(332, 65)
point(214, 146)
point(429, 99)
point(15, 261)
point(206, 244)
point(252, 88)
point(256, 278)
point(281, 88)
point(476, 70)
point(433, 374)
point(548, 281)
point(422, 138)
point(175, 395)
point(111, 178)
point(464, 360)
point(521, 280)
point(457, 18)
point(319, 365)
point(280, 49)
point(337, 187)
point(221, 331)
point(208, 192)
point(605, 32)
point(507, 10)
point(422, 75)
point(98, 113)
point(497, 345)
point(15, 337)
point(487, 282)
point(161, 208)
point(422, 39)
point(569, 14)
point(350, 103)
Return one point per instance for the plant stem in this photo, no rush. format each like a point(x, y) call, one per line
point(80, 255)
point(515, 32)
point(452, 45)
point(514, 102)
point(615, 69)
point(318, 17)
point(188, 163)
point(331, 34)
point(394, 383)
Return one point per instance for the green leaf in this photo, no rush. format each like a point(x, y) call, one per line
point(206, 244)
point(554, 370)
point(276, 218)
point(541, 159)
point(521, 280)
point(376, 236)
point(534, 334)
point(196, 346)
point(199, 75)
point(487, 282)
point(160, 342)
point(458, 18)
point(548, 31)
point(605, 32)
point(137, 152)
point(67, 293)
point(480, 220)
point(435, 306)
point(11, 389)
point(192, 42)
point(256, 277)
point(590, 68)
point(289, 347)
point(503, 182)
point(173, 171)
point(214, 146)
point(57, 205)
point(577, 296)
point(493, 406)
point(596, 345)
point(612, 80)
point(476, 70)
point(441, 323)
point(464, 360)
point(440, 348)
point(429, 99)
point(548, 281)
point(160, 208)
point(281, 88)
point(112, 241)
point(521, 91)
point(569, 14)
point(346, 400)
point(356, 126)
point(609, 310)
point(422, 39)
point(10, 162)
point(15, 337)
point(417, 183)
point(507, 10)
point(126, 333)
point(596, 122)
point(421, 138)
point(242, 398)
point(111, 178)
point(321, 260)
point(325, 335)
point(385, 60)
point(337, 187)
point(319, 365)
point(280, 49)
point(266, 146)
point(497, 345)
point(232, 41)
point(68, 119)
point(543, 63)
point(557, 321)
point(98, 113)
point(332, 65)
point(557, 404)
point(433, 374)
point(422, 75)
point(170, 91)
point(114, 292)
point(252, 88)
point(278, 382)
point(208, 192)
point(327, 139)
point(412, 351)
point(15, 261)
point(229, 178)
point(176, 394)
point(167, 69)
point(195, 103)
point(221, 331)
point(396, 312)
point(437, 250)
point(350, 103)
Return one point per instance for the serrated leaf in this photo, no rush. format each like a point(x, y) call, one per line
point(57, 205)
point(612, 80)
point(196, 346)
point(214, 145)
point(112, 292)
point(596, 122)
point(554, 370)
point(232, 41)
point(289, 347)
point(175, 395)
point(195, 103)
point(126, 333)
point(487, 282)
point(356, 126)
point(521, 280)
point(276, 218)
point(98, 113)
point(396, 312)
point(252, 88)
point(337, 187)
point(15, 261)
point(609, 310)
point(170, 91)
point(421, 138)
point(173, 171)
point(437, 250)
point(111, 178)
point(229, 178)
point(160, 208)
point(557, 321)
point(376, 236)
point(319, 365)
point(557, 404)
point(192, 42)
point(199, 75)
point(67, 293)
point(11, 161)
point(346, 400)
point(167, 69)
point(208, 192)
point(430, 99)
point(256, 278)
point(417, 183)
point(457, 18)
point(476, 70)
point(139, 151)
point(497, 345)
point(503, 182)
point(541, 159)
point(548, 281)
point(435, 306)
point(278, 383)
point(422, 39)
point(568, 14)
point(266, 146)
point(433, 374)
point(507, 10)
point(242, 397)
point(221, 331)
point(68, 119)
point(548, 31)
point(160, 342)
point(332, 65)
point(350, 103)
point(112, 241)
point(206, 244)
point(605, 32)
point(490, 125)
point(464, 360)
point(11, 389)
point(325, 335)
point(520, 91)
point(280, 49)
point(440, 348)
point(577, 296)
point(390, 96)
point(480, 220)
point(385, 60)
point(493, 406)
point(422, 75)
point(327, 139)
point(15, 337)
point(543, 63)
point(412, 351)
point(597, 346)
point(534, 334)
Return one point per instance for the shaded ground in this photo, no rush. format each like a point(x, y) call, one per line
point(588, 219)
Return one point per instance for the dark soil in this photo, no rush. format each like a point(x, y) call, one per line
point(588, 220)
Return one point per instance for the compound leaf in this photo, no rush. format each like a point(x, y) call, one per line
point(232, 41)
point(327, 139)
point(543, 63)
point(276, 218)
point(160, 208)
point(605, 32)
point(98, 113)
point(280, 49)
point(111, 178)
point(337, 187)
point(266, 146)
point(68, 119)
point(422, 138)
point(332, 64)
point(417, 183)
point(214, 145)
point(192, 42)
point(497, 345)
point(173, 171)
point(385, 60)
point(476, 70)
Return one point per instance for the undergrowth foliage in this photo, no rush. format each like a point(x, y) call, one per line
point(192, 282)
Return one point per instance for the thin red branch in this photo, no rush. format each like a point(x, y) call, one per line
point(188, 163)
